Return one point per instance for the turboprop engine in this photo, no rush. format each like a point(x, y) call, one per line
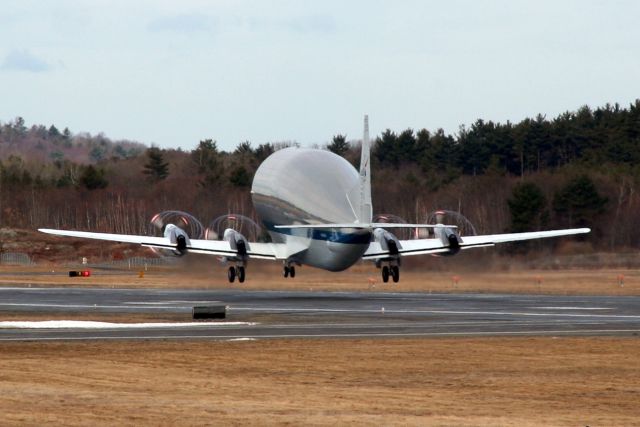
point(387, 240)
point(177, 236)
point(237, 241)
point(447, 235)
point(178, 227)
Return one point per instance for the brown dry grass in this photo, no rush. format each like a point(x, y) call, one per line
point(357, 278)
point(461, 382)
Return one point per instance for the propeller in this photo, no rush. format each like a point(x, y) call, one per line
point(401, 233)
point(240, 223)
point(183, 220)
point(443, 216)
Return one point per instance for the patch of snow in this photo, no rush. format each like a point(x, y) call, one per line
point(81, 324)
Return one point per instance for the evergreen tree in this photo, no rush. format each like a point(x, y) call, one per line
point(97, 153)
point(384, 149)
point(263, 151)
point(406, 147)
point(156, 168)
point(339, 145)
point(208, 161)
point(66, 137)
point(528, 208)
point(53, 132)
point(93, 178)
point(240, 177)
point(245, 155)
point(578, 202)
point(244, 149)
point(19, 126)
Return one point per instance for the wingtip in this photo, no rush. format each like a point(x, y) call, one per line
point(47, 230)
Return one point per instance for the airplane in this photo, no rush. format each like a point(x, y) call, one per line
point(317, 209)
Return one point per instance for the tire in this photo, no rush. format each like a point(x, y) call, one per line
point(286, 271)
point(240, 274)
point(292, 272)
point(231, 274)
point(385, 274)
point(395, 273)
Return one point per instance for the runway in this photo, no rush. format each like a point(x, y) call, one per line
point(302, 315)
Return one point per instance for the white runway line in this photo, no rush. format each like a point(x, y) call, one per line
point(572, 308)
point(78, 324)
point(413, 311)
point(170, 302)
point(354, 335)
point(94, 306)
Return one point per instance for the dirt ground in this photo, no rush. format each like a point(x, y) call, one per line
point(441, 382)
point(358, 278)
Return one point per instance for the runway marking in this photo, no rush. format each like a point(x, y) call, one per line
point(417, 325)
point(573, 308)
point(135, 307)
point(392, 311)
point(170, 302)
point(81, 324)
point(354, 335)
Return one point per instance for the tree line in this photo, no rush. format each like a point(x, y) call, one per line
point(578, 169)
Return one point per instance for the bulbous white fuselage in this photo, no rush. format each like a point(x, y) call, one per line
point(307, 186)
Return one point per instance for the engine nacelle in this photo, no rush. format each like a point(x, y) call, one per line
point(178, 237)
point(449, 237)
point(388, 242)
point(237, 242)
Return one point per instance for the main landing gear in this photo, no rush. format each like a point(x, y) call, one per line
point(289, 271)
point(237, 271)
point(390, 270)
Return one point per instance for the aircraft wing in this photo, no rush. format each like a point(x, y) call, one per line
point(492, 239)
point(210, 247)
point(409, 247)
point(435, 246)
point(254, 249)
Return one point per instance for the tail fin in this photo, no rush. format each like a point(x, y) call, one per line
point(365, 214)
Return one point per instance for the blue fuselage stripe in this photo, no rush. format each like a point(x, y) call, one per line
point(326, 234)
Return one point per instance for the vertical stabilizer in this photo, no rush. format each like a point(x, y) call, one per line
point(366, 210)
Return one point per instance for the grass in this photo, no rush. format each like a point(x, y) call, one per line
point(462, 382)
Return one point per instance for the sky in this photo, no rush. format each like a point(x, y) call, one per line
point(171, 73)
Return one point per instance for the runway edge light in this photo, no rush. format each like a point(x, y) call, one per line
point(79, 273)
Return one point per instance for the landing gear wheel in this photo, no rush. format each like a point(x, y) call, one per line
point(240, 274)
point(395, 273)
point(292, 272)
point(231, 274)
point(286, 271)
point(385, 274)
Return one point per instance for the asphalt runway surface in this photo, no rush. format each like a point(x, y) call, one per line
point(302, 315)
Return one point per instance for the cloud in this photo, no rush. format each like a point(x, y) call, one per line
point(312, 24)
point(183, 24)
point(23, 60)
